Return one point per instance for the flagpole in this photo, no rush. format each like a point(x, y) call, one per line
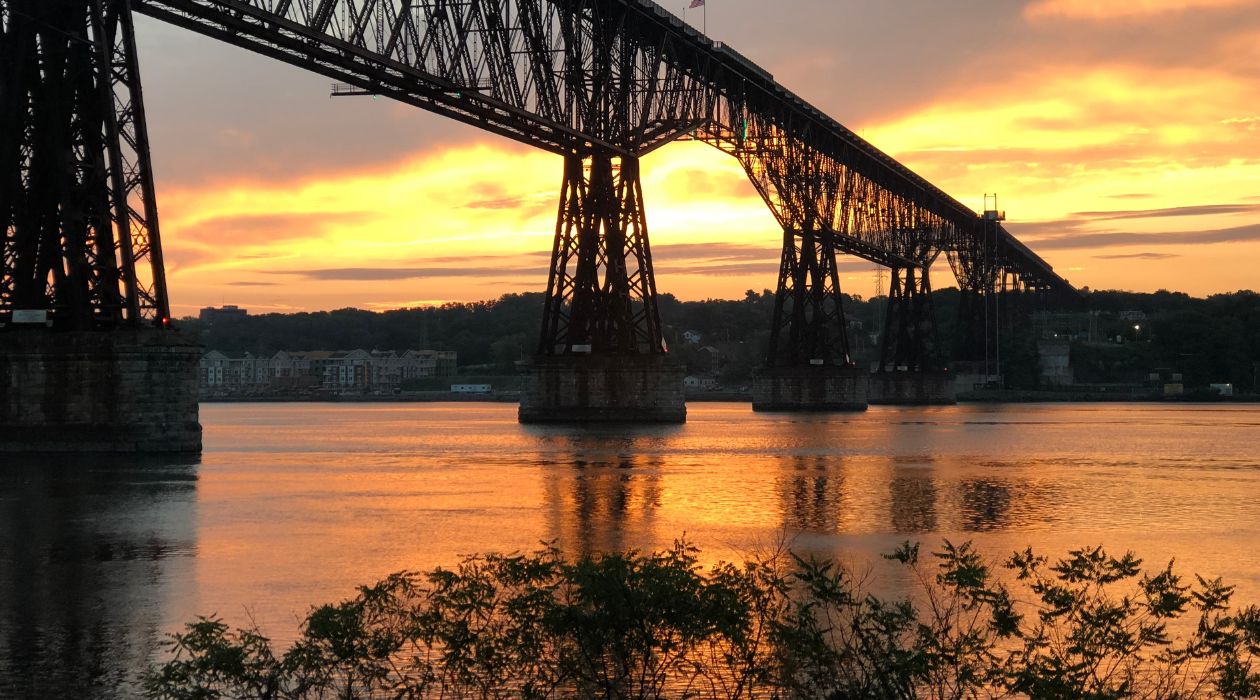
point(703, 13)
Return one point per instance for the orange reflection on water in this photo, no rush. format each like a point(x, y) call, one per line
point(296, 504)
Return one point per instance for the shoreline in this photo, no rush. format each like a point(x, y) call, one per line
point(995, 397)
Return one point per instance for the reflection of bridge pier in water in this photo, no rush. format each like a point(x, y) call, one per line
point(91, 551)
point(600, 497)
point(912, 495)
point(812, 491)
point(815, 490)
point(885, 472)
point(986, 504)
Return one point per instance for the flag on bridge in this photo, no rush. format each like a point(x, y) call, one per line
point(695, 4)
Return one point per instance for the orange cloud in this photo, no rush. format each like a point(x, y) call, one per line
point(1062, 141)
point(1095, 139)
point(1119, 9)
point(463, 224)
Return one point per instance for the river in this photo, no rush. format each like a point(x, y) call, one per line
point(295, 504)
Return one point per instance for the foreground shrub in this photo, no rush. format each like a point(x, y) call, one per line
point(656, 625)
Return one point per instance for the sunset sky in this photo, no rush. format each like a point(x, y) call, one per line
point(1122, 136)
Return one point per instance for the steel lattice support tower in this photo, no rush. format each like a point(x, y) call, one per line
point(803, 190)
point(809, 324)
point(76, 203)
point(601, 293)
point(976, 267)
point(909, 342)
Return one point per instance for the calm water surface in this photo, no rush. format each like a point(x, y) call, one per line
point(295, 504)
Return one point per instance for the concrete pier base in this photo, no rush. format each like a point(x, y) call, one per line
point(589, 389)
point(814, 388)
point(109, 391)
point(913, 389)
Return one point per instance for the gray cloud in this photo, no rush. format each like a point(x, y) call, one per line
point(1199, 210)
point(720, 270)
point(385, 274)
point(217, 112)
point(1236, 234)
point(1058, 227)
point(261, 228)
point(1137, 256)
point(713, 251)
point(540, 257)
point(1084, 224)
point(717, 259)
point(179, 256)
point(502, 203)
point(528, 203)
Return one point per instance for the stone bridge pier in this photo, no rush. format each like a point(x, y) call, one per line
point(120, 391)
point(88, 360)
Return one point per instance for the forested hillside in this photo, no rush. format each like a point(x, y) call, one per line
point(1216, 339)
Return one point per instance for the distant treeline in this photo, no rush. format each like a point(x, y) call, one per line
point(1210, 340)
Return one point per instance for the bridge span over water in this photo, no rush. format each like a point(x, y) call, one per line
point(599, 82)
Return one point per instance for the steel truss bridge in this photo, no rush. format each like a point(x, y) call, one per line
point(600, 82)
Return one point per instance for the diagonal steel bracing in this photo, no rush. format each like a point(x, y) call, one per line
point(601, 293)
point(80, 235)
point(909, 338)
point(803, 190)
